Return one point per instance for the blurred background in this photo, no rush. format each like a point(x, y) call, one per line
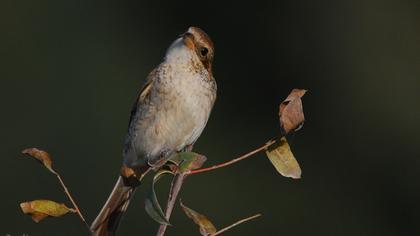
point(70, 71)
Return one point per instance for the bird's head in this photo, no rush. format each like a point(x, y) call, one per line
point(193, 45)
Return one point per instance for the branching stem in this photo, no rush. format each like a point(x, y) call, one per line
point(240, 158)
point(176, 185)
point(72, 200)
point(179, 180)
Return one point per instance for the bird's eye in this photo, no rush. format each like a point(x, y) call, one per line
point(204, 51)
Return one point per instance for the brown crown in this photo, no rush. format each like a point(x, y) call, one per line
point(201, 36)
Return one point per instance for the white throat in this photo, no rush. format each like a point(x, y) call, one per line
point(179, 53)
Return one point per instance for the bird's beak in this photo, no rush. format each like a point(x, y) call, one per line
point(188, 40)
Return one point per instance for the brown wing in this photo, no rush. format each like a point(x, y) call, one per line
point(143, 95)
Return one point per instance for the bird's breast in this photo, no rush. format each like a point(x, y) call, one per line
point(181, 102)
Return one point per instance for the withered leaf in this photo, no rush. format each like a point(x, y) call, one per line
point(283, 159)
point(188, 160)
point(41, 156)
point(206, 226)
point(127, 172)
point(39, 209)
point(291, 111)
point(37, 216)
point(152, 206)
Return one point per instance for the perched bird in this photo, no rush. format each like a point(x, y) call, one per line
point(168, 116)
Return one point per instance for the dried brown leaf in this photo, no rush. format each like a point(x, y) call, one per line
point(37, 216)
point(206, 226)
point(39, 209)
point(283, 160)
point(129, 176)
point(291, 111)
point(127, 172)
point(41, 156)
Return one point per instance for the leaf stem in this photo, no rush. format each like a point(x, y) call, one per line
point(236, 224)
point(240, 158)
point(72, 200)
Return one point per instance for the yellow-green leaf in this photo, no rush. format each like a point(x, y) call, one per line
point(206, 226)
point(187, 161)
point(41, 156)
point(37, 217)
point(283, 160)
point(39, 209)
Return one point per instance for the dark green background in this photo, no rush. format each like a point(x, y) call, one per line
point(70, 71)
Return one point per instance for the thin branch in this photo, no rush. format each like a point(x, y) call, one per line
point(240, 158)
point(236, 224)
point(72, 201)
point(176, 185)
point(180, 177)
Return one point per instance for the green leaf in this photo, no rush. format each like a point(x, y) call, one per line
point(206, 226)
point(41, 156)
point(39, 209)
point(283, 160)
point(152, 206)
point(188, 160)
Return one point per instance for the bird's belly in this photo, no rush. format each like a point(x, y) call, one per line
point(179, 120)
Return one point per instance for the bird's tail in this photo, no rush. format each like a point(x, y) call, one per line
point(109, 218)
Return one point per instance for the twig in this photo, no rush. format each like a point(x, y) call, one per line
point(176, 185)
point(240, 158)
point(72, 201)
point(236, 224)
point(179, 180)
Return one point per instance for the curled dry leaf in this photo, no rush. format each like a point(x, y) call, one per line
point(129, 176)
point(41, 156)
point(39, 209)
point(291, 111)
point(283, 159)
point(206, 226)
point(127, 172)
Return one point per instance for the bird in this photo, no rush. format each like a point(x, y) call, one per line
point(168, 116)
